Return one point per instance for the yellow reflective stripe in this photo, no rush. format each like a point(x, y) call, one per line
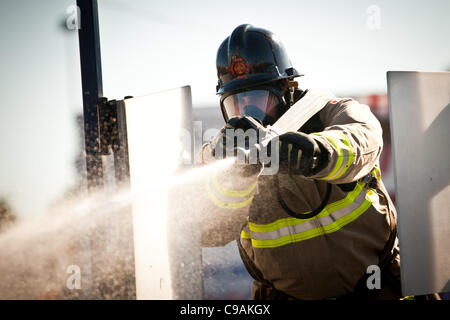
point(224, 204)
point(337, 224)
point(291, 238)
point(344, 153)
point(330, 208)
point(376, 173)
point(349, 218)
point(245, 234)
point(351, 156)
point(233, 193)
point(339, 157)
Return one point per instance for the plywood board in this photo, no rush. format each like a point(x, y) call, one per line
point(167, 254)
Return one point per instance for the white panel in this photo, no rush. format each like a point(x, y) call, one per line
point(420, 125)
point(158, 127)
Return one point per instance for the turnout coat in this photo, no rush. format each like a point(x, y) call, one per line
point(320, 257)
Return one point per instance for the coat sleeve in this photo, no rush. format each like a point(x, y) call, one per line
point(354, 138)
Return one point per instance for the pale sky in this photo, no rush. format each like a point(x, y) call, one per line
point(148, 46)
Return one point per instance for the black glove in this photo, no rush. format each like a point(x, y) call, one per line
point(301, 154)
point(224, 141)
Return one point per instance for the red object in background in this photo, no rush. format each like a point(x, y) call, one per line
point(386, 158)
point(378, 104)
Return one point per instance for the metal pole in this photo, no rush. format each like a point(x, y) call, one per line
point(91, 78)
point(104, 131)
point(91, 81)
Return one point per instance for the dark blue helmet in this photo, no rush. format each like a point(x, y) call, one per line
point(250, 57)
point(251, 64)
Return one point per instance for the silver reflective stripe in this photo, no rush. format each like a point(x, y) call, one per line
point(345, 157)
point(311, 224)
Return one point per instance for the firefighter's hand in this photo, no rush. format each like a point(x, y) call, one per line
point(235, 132)
point(222, 140)
point(301, 154)
point(215, 149)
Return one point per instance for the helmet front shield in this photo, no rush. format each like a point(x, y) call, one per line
point(260, 104)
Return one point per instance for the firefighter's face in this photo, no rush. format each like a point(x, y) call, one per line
point(260, 104)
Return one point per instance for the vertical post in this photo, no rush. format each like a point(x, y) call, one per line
point(92, 87)
point(91, 78)
point(104, 131)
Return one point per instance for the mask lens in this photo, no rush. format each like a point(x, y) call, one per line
point(259, 104)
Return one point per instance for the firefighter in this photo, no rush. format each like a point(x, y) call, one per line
point(318, 227)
